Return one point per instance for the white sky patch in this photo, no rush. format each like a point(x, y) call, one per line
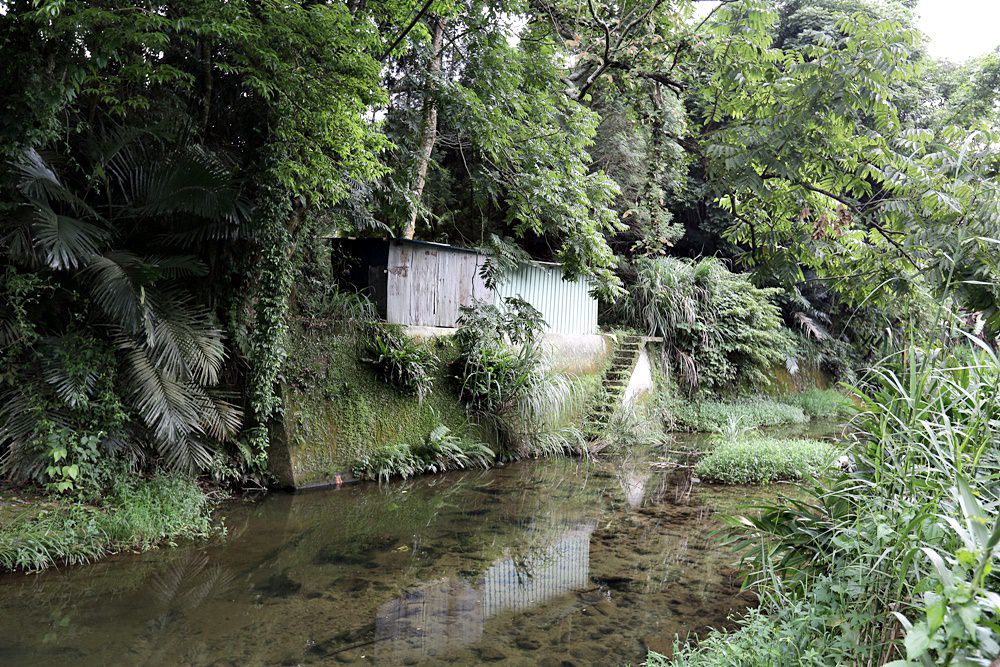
point(956, 29)
point(959, 29)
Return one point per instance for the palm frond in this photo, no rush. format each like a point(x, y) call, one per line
point(192, 181)
point(183, 338)
point(72, 387)
point(67, 243)
point(163, 402)
point(40, 184)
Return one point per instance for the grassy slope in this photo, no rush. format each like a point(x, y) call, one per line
point(38, 532)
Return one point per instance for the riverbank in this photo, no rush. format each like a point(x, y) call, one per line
point(39, 531)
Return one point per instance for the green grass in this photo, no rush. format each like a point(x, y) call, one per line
point(821, 403)
point(136, 513)
point(716, 416)
point(761, 460)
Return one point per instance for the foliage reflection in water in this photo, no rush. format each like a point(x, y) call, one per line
point(556, 562)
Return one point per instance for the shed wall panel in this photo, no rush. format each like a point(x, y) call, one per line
point(398, 284)
point(566, 305)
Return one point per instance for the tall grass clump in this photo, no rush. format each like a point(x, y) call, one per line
point(506, 384)
point(135, 513)
point(895, 561)
point(760, 460)
point(721, 333)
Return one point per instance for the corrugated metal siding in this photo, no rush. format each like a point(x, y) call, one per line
point(566, 305)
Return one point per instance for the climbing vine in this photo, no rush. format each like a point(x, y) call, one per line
point(270, 313)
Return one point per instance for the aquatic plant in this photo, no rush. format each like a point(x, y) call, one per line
point(630, 428)
point(716, 415)
point(760, 460)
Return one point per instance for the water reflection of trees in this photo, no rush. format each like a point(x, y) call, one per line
point(447, 552)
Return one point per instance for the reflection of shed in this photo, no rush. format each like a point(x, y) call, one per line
point(425, 284)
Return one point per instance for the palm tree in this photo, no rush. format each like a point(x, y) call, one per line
point(104, 252)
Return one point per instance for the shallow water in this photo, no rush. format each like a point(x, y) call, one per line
point(556, 562)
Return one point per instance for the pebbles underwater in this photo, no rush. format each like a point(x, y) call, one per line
point(556, 562)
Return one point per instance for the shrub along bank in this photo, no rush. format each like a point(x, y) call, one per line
point(895, 562)
point(717, 415)
point(134, 513)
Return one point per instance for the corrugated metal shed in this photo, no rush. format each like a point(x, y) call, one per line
point(426, 284)
point(567, 305)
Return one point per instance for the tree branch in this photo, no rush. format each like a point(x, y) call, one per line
point(406, 31)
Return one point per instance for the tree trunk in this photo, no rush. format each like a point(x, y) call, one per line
point(428, 130)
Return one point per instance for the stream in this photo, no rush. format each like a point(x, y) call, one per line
point(558, 562)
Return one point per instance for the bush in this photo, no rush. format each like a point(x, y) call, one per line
point(505, 383)
point(444, 451)
point(398, 360)
point(758, 460)
point(136, 513)
point(441, 451)
point(793, 636)
point(717, 416)
point(383, 464)
point(822, 403)
point(721, 333)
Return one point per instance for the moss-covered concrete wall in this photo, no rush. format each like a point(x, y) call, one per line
point(336, 409)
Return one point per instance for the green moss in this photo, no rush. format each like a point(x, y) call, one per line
point(336, 410)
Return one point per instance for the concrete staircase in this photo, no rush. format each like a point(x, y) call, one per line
point(613, 384)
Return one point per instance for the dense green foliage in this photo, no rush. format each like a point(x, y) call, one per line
point(398, 359)
point(506, 385)
point(761, 460)
point(762, 185)
point(720, 332)
point(895, 560)
point(134, 513)
point(202, 154)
